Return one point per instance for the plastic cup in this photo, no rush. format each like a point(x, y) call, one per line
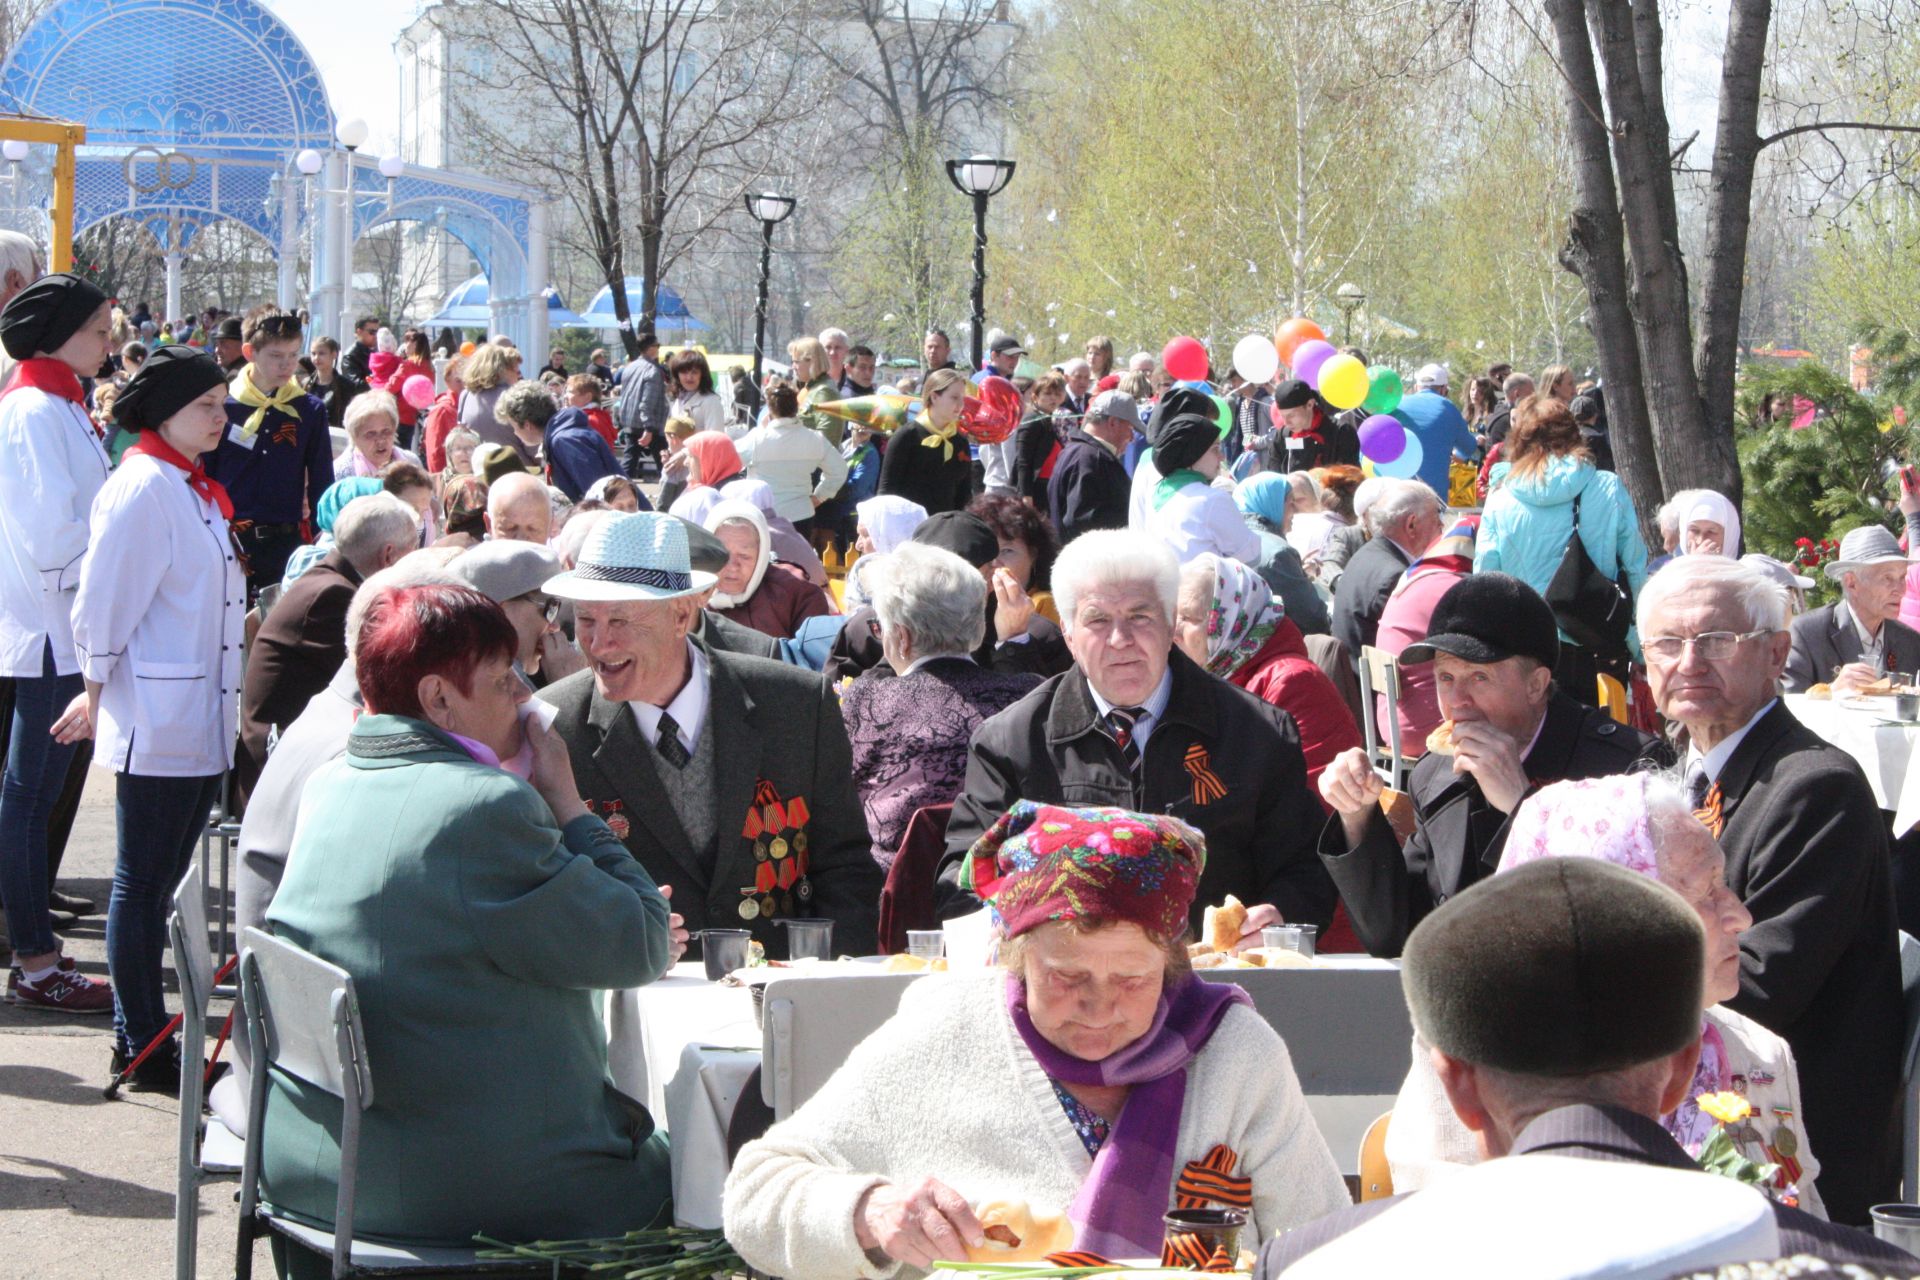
point(723, 951)
point(1291, 937)
point(927, 944)
point(808, 939)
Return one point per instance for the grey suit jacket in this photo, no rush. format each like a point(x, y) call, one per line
point(1824, 641)
point(778, 739)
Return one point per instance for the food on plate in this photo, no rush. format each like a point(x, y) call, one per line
point(1440, 740)
point(1222, 925)
point(1277, 958)
point(1017, 1233)
point(901, 962)
point(1821, 692)
point(1208, 958)
point(1874, 688)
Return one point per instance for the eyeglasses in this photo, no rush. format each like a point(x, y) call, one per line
point(1712, 646)
point(551, 609)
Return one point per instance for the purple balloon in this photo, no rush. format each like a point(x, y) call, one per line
point(1307, 359)
point(1382, 438)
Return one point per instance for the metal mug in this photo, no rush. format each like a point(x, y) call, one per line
point(1906, 707)
point(1195, 1236)
point(723, 951)
point(808, 939)
point(1897, 1224)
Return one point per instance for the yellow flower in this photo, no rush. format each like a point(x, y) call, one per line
point(1727, 1108)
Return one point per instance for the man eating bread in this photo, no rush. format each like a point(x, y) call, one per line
point(1507, 730)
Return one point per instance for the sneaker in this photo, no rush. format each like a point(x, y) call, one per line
point(16, 975)
point(64, 991)
point(72, 903)
point(160, 1073)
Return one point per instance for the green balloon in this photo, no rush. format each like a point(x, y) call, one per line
point(1225, 415)
point(1384, 390)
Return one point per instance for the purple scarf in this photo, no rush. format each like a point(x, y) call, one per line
point(1120, 1208)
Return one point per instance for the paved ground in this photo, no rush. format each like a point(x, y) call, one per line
point(86, 1185)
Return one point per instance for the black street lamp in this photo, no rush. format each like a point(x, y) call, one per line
point(769, 208)
point(1349, 298)
point(982, 177)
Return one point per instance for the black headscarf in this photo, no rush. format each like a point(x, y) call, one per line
point(42, 316)
point(171, 379)
point(1185, 425)
point(961, 532)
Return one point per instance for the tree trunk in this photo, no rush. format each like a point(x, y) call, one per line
point(1596, 252)
point(1730, 205)
point(1692, 454)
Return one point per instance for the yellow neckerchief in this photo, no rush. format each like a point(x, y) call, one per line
point(936, 437)
point(246, 393)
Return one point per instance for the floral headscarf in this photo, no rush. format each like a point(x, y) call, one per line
point(1242, 617)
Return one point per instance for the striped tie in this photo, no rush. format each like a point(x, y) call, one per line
point(669, 743)
point(1119, 723)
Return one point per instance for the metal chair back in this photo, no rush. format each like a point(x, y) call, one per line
point(1380, 675)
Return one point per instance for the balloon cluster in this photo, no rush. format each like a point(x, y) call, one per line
point(1386, 447)
point(990, 416)
point(1187, 361)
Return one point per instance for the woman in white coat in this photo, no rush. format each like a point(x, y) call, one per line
point(1184, 510)
point(51, 466)
point(786, 453)
point(157, 626)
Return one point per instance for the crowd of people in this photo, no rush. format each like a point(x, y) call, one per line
point(503, 728)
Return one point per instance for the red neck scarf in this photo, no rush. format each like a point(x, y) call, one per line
point(152, 446)
point(55, 377)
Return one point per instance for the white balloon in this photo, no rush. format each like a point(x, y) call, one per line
point(1256, 359)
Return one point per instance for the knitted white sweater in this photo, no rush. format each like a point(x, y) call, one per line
point(946, 1088)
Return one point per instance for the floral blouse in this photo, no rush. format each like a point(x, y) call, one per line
point(1092, 1127)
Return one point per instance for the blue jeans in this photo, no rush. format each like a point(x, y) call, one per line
point(36, 770)
point(159, 821)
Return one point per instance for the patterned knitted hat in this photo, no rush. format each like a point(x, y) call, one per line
point(1048, 862)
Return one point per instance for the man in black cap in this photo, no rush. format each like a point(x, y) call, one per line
point(1307, 435)
point(1561, 1004)
point(1003, 356)
point(227, 342)
point(1018, 639)
point(1507, 730)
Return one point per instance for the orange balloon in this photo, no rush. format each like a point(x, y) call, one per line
point(1294, 332)
point(466, 348)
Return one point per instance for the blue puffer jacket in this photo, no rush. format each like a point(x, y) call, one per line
point(1527, 521)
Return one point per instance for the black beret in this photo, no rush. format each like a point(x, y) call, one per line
point(1291, 394)
point(229, 329)
point(1489, 617)
point(1560, 967)
point(705, 551)
point(42, 316)
point(963, 533)
point(1185, 424)
point(171, 378)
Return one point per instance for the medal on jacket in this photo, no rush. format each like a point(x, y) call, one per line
point(778, 830)
point(609, 812)
point(1784, 1149)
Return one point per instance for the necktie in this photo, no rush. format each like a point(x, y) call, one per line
point(669, 743)
point(1705, 798)
point(1119, 723)
point(1697, 783)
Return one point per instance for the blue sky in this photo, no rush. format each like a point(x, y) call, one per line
point(352, 41)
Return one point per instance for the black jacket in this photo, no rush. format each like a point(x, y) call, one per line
point(1807, 852)
point(772, 724)
point(1032, 444)
point(927, 475)
point(1458, 837)
point(1616, 1135)
point(1090, 488)
point(717, 631)
point(1824, 641)
point(1361, 594)
point(354, 362)
point(856, 649)
point(1048, 747)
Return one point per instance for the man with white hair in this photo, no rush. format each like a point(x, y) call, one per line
point(1861, 638)
point(1402, 519)
point(519, 508)
point(1079, 386)
point(1136, 724)
point(836, 344)
point(1806, 850)
point(1516, 388)
point(1141, 362)
point(20, 266)
point(302, 640)
point(1437, 423)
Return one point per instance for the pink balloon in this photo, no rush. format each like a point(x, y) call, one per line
point(1186, 360)
point(1308, 357)
point(418, 390)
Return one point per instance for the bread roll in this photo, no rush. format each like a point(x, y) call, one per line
point(1821, 692)
point(901, 962)
point(1440, 741)
point(1017, 1233)
point(1222, 924)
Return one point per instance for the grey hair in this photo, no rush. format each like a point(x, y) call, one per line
point(516, 486)
point(1668, 516)
point(462, 438)
point(1763, 600)
point(18, 253)
point(935, 595)
point(370, 524)
point(420, 569)
point(572, 538)
point(1398, 500)
point(369, 404)
point(1305, 489)
point(834, 333)
point(1516, 385)
point(1107, 557)
point(527, 403)
point(1074, 365)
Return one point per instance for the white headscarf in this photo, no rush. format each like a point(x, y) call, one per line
point(890, 519)
point(786, 541)
point(1705, 504)
point(735, 509)
point(694, 504)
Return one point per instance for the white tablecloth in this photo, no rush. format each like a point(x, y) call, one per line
point(1885, 752)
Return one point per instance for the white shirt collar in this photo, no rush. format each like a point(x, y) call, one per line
point(1151, 710)
point(1715, 760)
point(688, 708)
point(1869, 645)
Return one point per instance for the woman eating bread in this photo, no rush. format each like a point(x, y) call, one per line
point(1051, 1103)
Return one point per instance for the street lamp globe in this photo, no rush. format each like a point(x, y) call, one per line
point(351, 133)
point(1351, 296)
point(391, 166)
point(980, 175)
point(768, 206)
point(14, 149)
point(308, 162)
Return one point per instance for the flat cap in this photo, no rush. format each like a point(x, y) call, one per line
point(1486, 618)
point(1561, 967)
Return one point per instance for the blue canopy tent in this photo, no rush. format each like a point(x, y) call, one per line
point(670, 310)
point(466, 308)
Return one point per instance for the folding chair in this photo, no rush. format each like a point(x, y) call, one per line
point(1380, 674)
point(216, 1153)
point(304, 1018)
point(1614, 698)
point(1910, 1066)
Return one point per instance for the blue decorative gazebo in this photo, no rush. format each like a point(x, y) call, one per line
point(198, 110)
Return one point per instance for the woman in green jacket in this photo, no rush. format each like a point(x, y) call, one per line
point(448, 863)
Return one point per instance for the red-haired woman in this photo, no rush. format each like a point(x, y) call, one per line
point(449, 864)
